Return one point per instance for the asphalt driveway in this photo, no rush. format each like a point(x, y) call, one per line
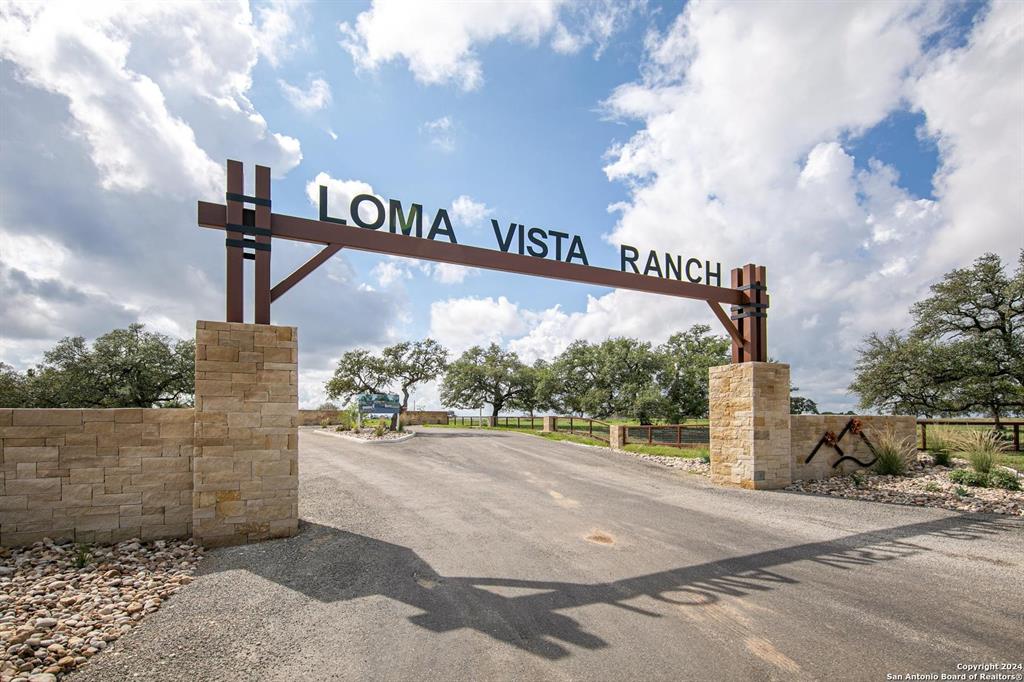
point(491, 555)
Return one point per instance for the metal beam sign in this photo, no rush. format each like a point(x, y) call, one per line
point(392, 229)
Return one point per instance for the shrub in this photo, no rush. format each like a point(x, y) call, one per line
point(932, 487)
point(981, 447)
point(961, 491)
point(1002, 478)
point(968, 477)
point(325, 422)
point(706, 459)
point(940, 443)
point(893, 452)
point(858, 479)
point(381, 428)
point(342, 427)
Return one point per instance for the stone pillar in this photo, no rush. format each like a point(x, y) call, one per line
point(245, 470)
point(549, 424)
point(616, 436)
point(749, 415)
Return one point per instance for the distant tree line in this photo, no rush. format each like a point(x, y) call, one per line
point(618, 377)
point(123, 368)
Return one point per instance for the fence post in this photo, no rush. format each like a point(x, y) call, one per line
point(650, 435)
point(1016, 437)
point(548, 424)
point(616, 436)
point(679, 436)
point(924, 436)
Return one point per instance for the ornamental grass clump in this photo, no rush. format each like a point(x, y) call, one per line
point(982, 448)
point(940, 445)
point(892, 452)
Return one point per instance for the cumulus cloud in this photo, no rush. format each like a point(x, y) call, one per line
point(135, 120)
point(440, 132)
point(120, 117)
point(439, 40)
point(317, 96)
point(973, 101)
point(470, 213)
point(339, 196)
point(459, 323)
point(740, 158)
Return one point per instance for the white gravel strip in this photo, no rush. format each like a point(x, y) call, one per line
point(55, 615)
point(366, 436)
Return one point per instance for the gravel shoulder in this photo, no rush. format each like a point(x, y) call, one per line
point(484, 555)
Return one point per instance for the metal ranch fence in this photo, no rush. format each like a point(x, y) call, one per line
point(525, 423)
point(582, 426)
point(674, 435)
point(1010, 428)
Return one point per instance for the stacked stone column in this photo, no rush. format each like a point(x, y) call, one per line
point(750, 428)
point(246, 436)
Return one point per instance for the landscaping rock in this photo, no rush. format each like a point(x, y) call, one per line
point(56, 614)
point(925, 485)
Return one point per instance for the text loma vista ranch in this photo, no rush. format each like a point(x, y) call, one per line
point(533, 241)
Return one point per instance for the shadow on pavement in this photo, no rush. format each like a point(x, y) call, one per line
point(329, 565)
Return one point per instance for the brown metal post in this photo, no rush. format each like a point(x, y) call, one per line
point(737, 346)
point(924, 436)
point(262, 293)
point(750, 316)
point(234, 267)
point(1016, 437)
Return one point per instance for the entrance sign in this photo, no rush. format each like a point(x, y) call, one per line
point(249, 233)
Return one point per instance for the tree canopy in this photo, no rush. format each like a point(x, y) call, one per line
point(123, 368)
point(489, 376)
point(410, 363)
point(964, 353)
point(685, 360)
point(404, 365)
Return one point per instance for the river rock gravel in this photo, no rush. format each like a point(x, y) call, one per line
point(925, 485)
point(61, 604)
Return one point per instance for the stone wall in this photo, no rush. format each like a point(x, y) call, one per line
point(314, 417)
point(246, 435)
point(95, 475)
point(807, 429)
point(414, 417)
point(749, 417)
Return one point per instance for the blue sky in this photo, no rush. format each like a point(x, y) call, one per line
point(856, 150)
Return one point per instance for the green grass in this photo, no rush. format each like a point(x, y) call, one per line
point(572, 438)
point(668, 451)
point(500, 427)
point(659, 450)
point(1014, 460)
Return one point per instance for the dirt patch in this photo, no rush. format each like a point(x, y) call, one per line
point(600, 537)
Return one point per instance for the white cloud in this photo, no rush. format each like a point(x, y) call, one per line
point(277, 26)
point(339, 196)
point(973, 99)
point(134, 117)
point(137, 107)
point(317, 96)
point(440, 132)
point(459, 323)
point(446, 273)
point(390, 271)
point(439, 40)
point(470, 213)
point(763, 176)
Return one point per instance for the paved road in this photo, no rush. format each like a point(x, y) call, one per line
point(487, 555)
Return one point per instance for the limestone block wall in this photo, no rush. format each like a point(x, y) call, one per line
point(246, 435)
point(95, 475)
point(749, 425)
point(314, 417)
point(807, 430)
point(415, 417)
